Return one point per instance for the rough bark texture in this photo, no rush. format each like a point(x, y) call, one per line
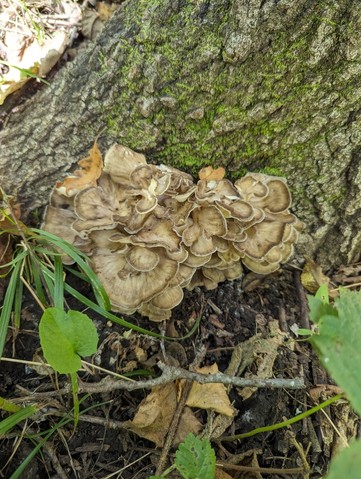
point(261, 85)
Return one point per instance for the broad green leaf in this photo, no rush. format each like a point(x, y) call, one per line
point(339, 345)
point(319, 308)
point(195, 458)
point(66, 336)
point(347, 464)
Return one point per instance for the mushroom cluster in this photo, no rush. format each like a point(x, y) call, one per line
point(151, 231)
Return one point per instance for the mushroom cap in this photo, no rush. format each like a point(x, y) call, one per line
point(260, 267)
point(142, 259)
point(238, 209)
point(151, 231)
point(102, 240)
point(270, 193)
point(180, 182)
point(169, 298)
point(178, 211)
point(263, 236)
point(128, 288)
point(213, 190)
point(199, 279)
point(121, 161)
point(58, 222)
point(157, 232)
point(235, 231)
point(195, 261)
point(204, 223)
point(154, 313)
point(183, 276)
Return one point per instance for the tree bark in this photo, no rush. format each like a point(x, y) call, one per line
point(260, 85)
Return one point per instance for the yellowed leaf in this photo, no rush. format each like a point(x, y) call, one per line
point(105, 10)
point(208, 173)
point(91, 169)
point(9, 87)
point(155, 413)
point(312, 276)
point(210, 396)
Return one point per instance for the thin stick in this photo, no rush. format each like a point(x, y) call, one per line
point(261, 470)
point(171, 373)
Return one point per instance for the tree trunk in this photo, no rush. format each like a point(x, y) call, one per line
point(260, 85)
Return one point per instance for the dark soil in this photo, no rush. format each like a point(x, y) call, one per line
point(230, 316)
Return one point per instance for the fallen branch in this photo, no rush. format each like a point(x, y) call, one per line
point(171, 373)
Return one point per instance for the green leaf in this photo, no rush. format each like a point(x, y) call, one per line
point(81, 260)
point(66, 336)
point(347, 464)
point(8, 304)
point(195, 458)
point(338, 345)
point(11, 421)
point(318, 309)
point(322, 293)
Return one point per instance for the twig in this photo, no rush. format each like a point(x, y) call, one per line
point(171, 373)
point(54, 459)
point(292, 438)
point(261, 470)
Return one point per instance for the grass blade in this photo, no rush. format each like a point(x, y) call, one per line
point(8, 304)
point(58, 283)
point(18, 301)
point(14, 419)
point(18, 474)
point(39, 288)
point(81, 260)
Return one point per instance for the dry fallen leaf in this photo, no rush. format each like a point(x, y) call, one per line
point(312, 276)
point(155, 413)
point(208, 173)
point(106, 10)
point(9, 225)
point(36, 58)
point(210, 396)
point(91, 169)
point(262, 352)
point(221, 474)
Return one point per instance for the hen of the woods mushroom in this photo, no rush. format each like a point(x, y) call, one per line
point(151, 231)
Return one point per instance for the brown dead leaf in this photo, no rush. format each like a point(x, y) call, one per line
point(221, 474)
point(210, 396)
point(91, 169)
point(10, 226)
point(208, 173)
point(106, 10)
point(324, 390)
point(155, 413)
point(263, 352)
point(312, 277)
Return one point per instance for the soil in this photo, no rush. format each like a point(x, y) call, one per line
point(230, 316)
